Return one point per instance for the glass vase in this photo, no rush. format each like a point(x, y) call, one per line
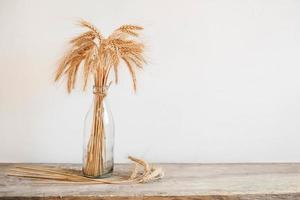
point(98, 138)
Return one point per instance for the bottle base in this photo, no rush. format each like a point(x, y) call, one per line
point(106, 175)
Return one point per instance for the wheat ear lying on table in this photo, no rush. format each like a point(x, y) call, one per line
point(147, 174)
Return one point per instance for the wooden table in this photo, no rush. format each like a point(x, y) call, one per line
point(182, 181)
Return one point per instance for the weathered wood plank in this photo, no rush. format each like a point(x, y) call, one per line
point(182, 181)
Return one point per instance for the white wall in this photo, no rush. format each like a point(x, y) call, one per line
point(222, 83)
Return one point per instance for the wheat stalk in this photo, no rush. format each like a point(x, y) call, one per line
point(99, 56)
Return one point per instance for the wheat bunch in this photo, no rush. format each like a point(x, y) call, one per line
point(99, 56)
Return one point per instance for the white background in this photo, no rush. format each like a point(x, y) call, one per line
point(222, 83)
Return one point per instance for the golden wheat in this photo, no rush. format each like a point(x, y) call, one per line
point(99, 57)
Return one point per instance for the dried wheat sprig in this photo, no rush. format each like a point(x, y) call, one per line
point(130, 27)
point(84, 36)
point(124, 31)
point(92, 28)
point(132, 72)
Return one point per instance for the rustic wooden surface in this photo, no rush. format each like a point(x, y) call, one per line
point(182, 181)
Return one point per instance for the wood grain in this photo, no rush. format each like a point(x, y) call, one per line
point(182, 181)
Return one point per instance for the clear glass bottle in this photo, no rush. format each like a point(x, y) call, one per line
point(98, 144)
